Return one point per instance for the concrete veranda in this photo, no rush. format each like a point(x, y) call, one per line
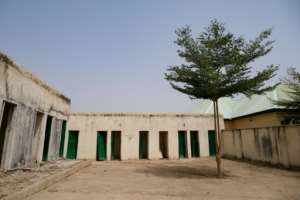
point(179, 179)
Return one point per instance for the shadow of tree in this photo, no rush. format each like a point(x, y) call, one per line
point(182, 171)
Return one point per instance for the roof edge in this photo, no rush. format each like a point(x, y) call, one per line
point(148, 114)
point(6, 59)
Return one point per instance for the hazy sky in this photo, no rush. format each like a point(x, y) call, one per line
point(111, 55)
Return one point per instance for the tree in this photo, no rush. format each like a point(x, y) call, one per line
point(293, 92)
point(217, 65)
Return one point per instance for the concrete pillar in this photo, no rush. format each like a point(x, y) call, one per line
point(203, 142)
point(108, 145)
point(188, 143)
point(153, 144)
point(42, 138)
point(173, 144)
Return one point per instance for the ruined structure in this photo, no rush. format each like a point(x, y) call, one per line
point(33, 118)
point(106, 136)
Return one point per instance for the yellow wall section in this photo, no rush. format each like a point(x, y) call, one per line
point(255, 121)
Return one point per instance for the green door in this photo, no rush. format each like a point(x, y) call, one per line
point(72, 145)
point(194, 144)
point(47, 138)
point(101, 145)
point(62, 139)
point(143, 145)
point(212, 142)
point(182, 144)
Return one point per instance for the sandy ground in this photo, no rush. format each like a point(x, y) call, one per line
point(16, 180)
point(181, 179)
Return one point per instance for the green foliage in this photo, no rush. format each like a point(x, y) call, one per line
point(293, 83)
point(217, 63)
point(293, 102)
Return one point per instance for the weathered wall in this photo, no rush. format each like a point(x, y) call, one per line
point(275, 145)
point(255, 121)
point(131, 123)
point(23, 142)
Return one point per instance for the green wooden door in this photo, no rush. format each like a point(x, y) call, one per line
point(62, 139)
point(194, 144)
point(47, 138)
point(143, 145)
point(101, 145)
point(182, 144)
point(212, 142)
point(72, 145)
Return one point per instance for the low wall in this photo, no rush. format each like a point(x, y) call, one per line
point(275, 145)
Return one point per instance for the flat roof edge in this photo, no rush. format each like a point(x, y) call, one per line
point(148, 114)
point(4, 58)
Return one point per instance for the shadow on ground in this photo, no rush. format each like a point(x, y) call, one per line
point(182, 171)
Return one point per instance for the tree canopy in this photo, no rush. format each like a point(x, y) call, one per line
point(293, 83)
point(217, 63)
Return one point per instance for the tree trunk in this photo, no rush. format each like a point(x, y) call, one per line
point(218, 138)
point(218, 156)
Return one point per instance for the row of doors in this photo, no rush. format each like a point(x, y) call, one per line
point(48, 136)
point(7, 115)
point(182, 144)
point(101, 145)
point(143, 144)
point(115, 145)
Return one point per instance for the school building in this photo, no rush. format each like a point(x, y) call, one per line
point(36, 126)
point(124, 136)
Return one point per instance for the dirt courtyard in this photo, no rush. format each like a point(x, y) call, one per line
point(180, 179)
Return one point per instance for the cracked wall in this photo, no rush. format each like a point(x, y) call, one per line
point(23, 145)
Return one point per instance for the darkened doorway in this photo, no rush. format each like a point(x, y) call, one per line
point(8, 109)
point(194, 144)
point(62, 139)
point(101, 145)
point(212, 142)
point(72, 145)
point(163, 144)
point(47, 138)
point(182, 150)
point(143, 145)
point(115, 145)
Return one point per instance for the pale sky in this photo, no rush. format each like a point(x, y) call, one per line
point(110, 56)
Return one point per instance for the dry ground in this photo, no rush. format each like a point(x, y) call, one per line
point(16, 180)
point(181, 179)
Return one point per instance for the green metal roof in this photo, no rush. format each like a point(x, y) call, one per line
point(237, 107)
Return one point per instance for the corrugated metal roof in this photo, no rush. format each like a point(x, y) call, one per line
point(237, 107)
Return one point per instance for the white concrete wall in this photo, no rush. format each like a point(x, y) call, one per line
point(274, 145)
point(131, 123)
point(29, 94)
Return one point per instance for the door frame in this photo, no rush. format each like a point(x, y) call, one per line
point(112, 143)
point(7, 136)
point(74, 132)
point(146, 143)
point(192, 132)
point(214, 143)
point(185, 144)
point(166, 133)
point(97, 150)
